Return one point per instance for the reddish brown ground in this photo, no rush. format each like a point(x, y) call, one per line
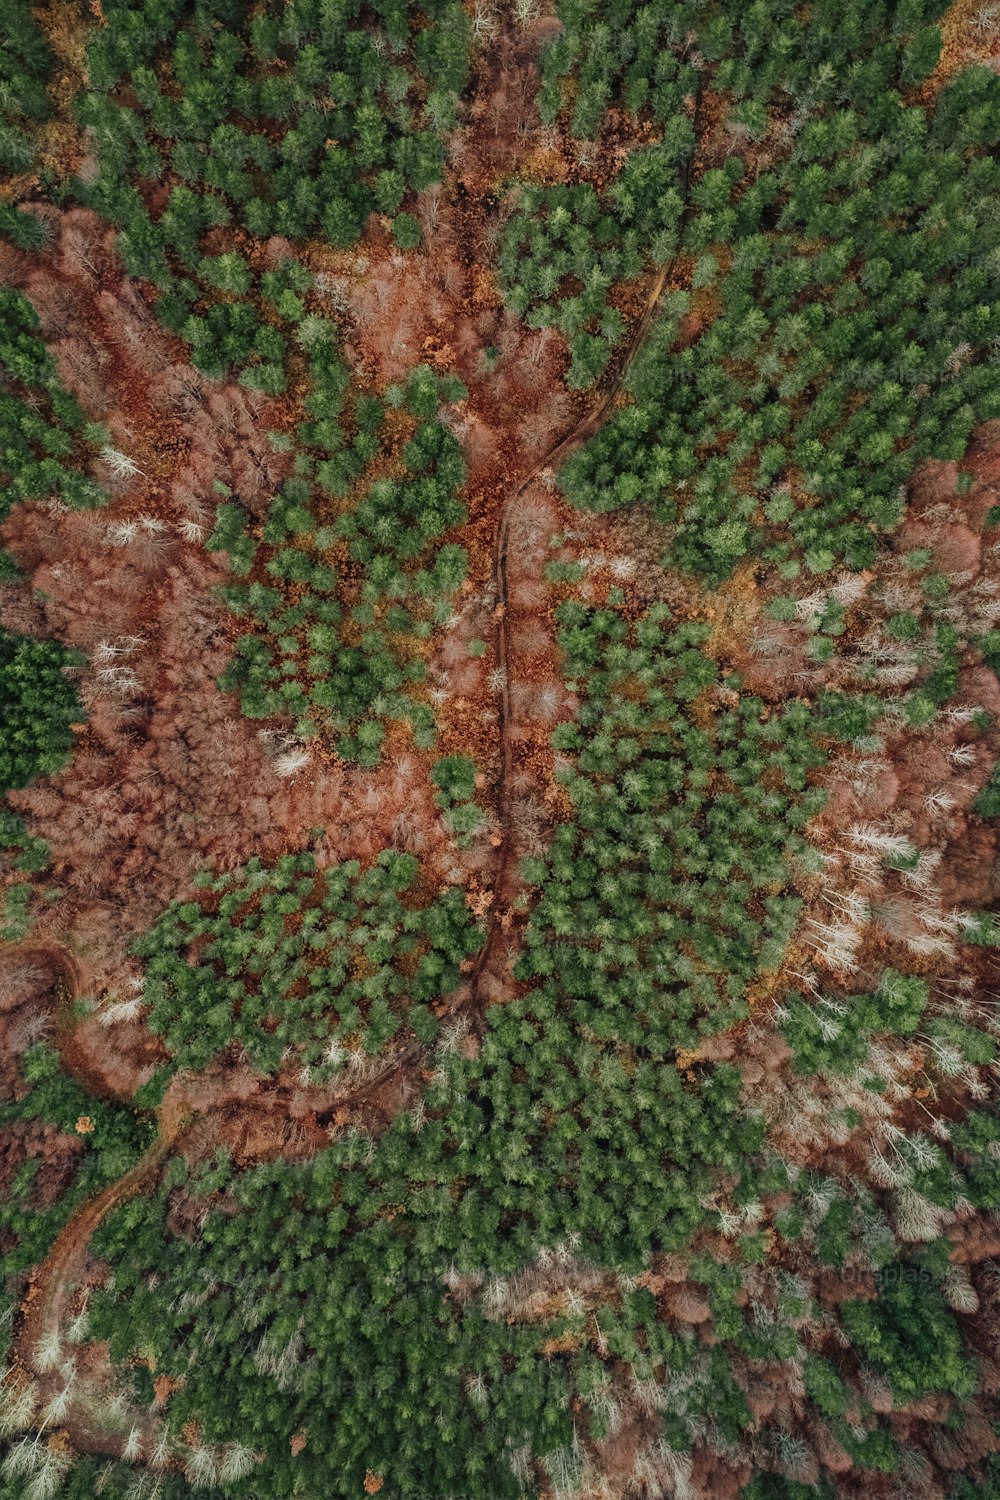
point(168, 776)
point(970, 32)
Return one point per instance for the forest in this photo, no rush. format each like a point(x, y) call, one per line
point(500, 750)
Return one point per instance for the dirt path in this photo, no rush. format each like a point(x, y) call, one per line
point(67, 986)
point(57, 954)
point(37, 1343)
point(583, 429)
point(62, 1268)
point(499, 918)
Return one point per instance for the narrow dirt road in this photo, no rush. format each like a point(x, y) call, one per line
point(579, 433)
point(499, 916)
point(62, 1268)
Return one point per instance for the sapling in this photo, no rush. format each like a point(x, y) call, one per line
point(200, 1468)
point(291, 761)
point(237, 1463)
point(17, 1405)
point(132, 1447)
point(120, 464)
point(48, 1350)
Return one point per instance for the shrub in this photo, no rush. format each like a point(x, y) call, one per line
point(363, 558)
point(38, 707)
point(43, 435)
point(832, 356)
point(315, 150)
point(289, 959)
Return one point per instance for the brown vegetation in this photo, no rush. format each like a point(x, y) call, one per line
point(169, 778)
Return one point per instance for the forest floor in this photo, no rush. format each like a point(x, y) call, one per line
point(171, 757)
point(168, 777)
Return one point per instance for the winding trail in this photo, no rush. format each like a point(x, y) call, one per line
point(62, 1269)
point(63, 1266)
